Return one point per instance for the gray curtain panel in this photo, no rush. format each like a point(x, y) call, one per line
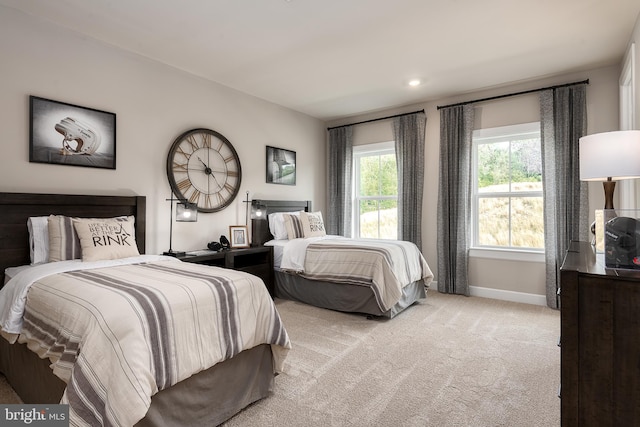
point(408, 133)
point(454, 199)
point(563, 113)
point(340, 165)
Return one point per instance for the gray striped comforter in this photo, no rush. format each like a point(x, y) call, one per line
point(119, 334)
point(384, 265)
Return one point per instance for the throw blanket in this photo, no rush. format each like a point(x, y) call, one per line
point(119, 334)
point(385, 265)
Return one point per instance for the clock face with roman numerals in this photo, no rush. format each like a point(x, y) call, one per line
point(204, 168)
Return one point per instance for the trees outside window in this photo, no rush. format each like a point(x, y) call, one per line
point(376, 191)
point(507, 187)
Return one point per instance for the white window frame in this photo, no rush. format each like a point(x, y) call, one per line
point(359, 151)
point(629, 193)
point(494, 135)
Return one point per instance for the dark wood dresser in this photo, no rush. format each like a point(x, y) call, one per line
point(600, 341)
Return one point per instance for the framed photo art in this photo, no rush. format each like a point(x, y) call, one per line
point(239, 236)
point(68, 134)
point(281, 166)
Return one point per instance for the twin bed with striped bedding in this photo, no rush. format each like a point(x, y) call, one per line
point(119, 331)
point(384, 266)
point(374, 277)
point(127, 339)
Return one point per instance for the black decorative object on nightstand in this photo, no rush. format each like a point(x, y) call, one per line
point(257, 261)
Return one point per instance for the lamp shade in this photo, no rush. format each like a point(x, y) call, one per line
point(258, 210)
point(186, 212)
point(614, 155)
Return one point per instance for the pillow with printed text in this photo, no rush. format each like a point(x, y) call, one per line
point(106, 238)
point(312, 224)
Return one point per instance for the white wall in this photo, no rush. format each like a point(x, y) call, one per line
point(497, 276)
point(154, 103)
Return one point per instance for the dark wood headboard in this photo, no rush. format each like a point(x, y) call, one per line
point(16, 208)
point(260, 225)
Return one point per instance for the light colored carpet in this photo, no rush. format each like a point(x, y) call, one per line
point(449, 361)
point(7, 395)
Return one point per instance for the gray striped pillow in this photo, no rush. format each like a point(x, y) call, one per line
point(294, 226)
point(64, 243)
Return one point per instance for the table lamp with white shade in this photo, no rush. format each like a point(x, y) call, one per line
point(610, 157)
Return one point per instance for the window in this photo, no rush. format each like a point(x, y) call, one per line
point(507, 188)
point(376, 191)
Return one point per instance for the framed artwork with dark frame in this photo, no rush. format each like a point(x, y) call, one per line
point(281, 166)
point(239, 236)
point(67, 134)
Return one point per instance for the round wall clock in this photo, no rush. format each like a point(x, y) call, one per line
point(204, 168)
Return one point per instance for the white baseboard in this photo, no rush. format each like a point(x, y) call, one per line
point(476, 291)
point(523, 297)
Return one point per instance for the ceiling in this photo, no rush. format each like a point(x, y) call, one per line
point(337, 58)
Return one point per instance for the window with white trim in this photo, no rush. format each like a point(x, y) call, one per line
point(375, 204)
point(507, 188)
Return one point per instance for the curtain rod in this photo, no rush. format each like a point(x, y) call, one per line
point(491, 98)
point(375, 120)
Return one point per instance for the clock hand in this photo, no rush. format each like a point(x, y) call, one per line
point(219, 170)
point(207, 169)
point(214, 178)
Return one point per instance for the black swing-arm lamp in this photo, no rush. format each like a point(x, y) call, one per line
point(185, 212)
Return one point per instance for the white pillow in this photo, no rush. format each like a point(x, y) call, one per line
point(38, 239)
point(312, 224)
point(277, 226)
point(106, 238)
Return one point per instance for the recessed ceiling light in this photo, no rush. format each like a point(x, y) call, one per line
point(414, 82)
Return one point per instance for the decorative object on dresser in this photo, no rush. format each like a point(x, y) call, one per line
point(204, 168)
point(88, 135)
point(621, 238)
point(600, 341)
point(256, 260)
point(185, 212)
point(281, 166)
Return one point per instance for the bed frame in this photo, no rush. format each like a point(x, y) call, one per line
point(333, 296)
point(206, 398)
point(260, 224)
point(16, 208)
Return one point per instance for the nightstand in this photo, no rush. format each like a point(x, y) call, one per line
point(256, 260)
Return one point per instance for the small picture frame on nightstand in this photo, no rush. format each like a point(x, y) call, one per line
point(239, 236)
